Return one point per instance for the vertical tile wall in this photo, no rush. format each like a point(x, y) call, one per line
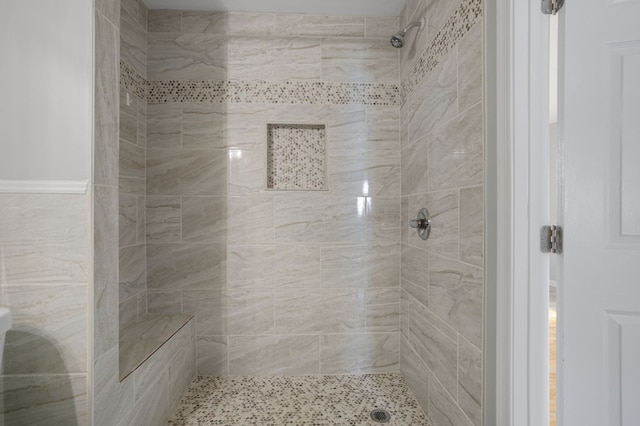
point(442, 169)
point(132, 161)
point(281, 282)
point(43, 281)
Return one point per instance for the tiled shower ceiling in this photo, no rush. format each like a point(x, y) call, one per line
point(315, 7)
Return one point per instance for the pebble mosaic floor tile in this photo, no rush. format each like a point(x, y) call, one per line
point(298, 400)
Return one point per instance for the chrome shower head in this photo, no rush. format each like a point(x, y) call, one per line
point(397, 40)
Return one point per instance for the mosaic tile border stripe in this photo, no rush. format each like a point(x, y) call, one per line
point(457, 26)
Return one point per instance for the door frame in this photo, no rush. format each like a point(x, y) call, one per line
point(516, 205)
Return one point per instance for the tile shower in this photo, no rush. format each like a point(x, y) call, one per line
point(327, 280)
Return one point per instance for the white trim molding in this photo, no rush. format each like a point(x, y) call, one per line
point(43, 186)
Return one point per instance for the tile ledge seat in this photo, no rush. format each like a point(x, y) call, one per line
point(143, 337)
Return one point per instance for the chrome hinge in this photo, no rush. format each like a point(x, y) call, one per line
point(551, 239)
point(551, 7)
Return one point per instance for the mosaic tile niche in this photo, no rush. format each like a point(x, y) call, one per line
point(296, 157)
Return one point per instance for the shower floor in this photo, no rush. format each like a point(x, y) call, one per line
point(298, 400)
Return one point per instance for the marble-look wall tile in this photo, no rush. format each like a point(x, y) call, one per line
point(405, 303)
point(142, 124)
point(470, 381)
point(360, 266)
point(112, 398)
point(164, 125)
point(273, 266)
point(443, 409)
point(132, 159)
point(382, 307)
point(364, 173)
point(444, 212)
point(153, 407)
point(204, 126)
point(143, 15)
point(43, 238)
point(415, 160)
point(435, 343)
point(128, 219)
point(250, 219)
point(212, 356)
point(129, 128)
point(315, 311)
point(247, 171)
point(131, 185)
point(405, 216)
point(186, 172)
point(131, 7)
point(415, 373)
point(128, 310)
point(244, 24)
point(133, 41)
point(181, 371)
point(107, 47)
point(187, 57)
point(416, 41)
point(274, 355)
point(456, 295)
point(359, 60)
point(383, 219)
point(142, 220)
point(415, 273)
point(456, 157)
point(133, 275)
point(381, 26)
point(172, 266)
point(164, 302)
point(439, 12)
point(164, 219)
point(164, 21)
point(36, 344)
point(204, 219)
point(382, 127)
point(110, 9)
point(434, 101)
point(210, 309)
point(44, 400)
point(359, 353)
point(274, 59)
point(472, 225)
point(204, 22)
point(314, 25)
point(470, 68)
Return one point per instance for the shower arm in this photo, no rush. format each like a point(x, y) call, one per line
point(414, 24)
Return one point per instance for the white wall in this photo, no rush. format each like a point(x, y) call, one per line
point(46, 51)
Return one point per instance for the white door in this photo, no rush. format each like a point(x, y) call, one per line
point(599, 293)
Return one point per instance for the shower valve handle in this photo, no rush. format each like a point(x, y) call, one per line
point(422, 224)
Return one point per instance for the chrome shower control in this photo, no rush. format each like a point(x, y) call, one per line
point(422, 223)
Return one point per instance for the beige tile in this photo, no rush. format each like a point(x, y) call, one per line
point(153, 407)
point(131, 185)
point(405, 302)
point(415, 373)
point(143, 15)
point(204, 22)
point(359, 353)
point(129, 128)
point(470, 381)
point(416, 42)
point(383, 219)
point(132, 7)
point(415, 273)
point(382, 310)
point(244, 24)
point(133, 42)
point(212, 356)
point(164, 21)
point(246, 125)
point(247, 172)
point(110, 9)
point(442, 407)
point(132, 271)
point(456, 152)
point(434, 100)
point(359, 60)
point(314, 25)
point(142, 124)
point(383, 127)
point(415, 177)
point(470, 68)
point(272, 355)
point(38, 345)
point(107, 42)
point(186, 266)
point(360, 266)
point(444, 212)
point(435, 344)
point(405, 229)
point(311, 311)
point(128, 309)
point(204, 219)
point(142, 220)
point(381, 26)
point(274, 59)
point(249, 312)
point(182, 370)
point(439, 12)
point(250, 219)
point(44, 238)
point(132, 160)
point(187, 57)
point(128, 219)
point(165, 125)
point(472, 225)
point(130, 108)
point(456, 296)
point(164, 219)
point(112, 398)
point(164, 302)
point(45, 400)
point(364, 173)
point(204, 126)
point(211, 310)
point(186, 172)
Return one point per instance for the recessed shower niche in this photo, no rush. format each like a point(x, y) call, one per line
point(296, 157)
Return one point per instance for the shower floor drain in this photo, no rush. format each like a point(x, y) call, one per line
point(380, 416)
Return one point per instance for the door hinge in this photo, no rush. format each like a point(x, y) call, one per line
point(551, 7)
point(551, 239)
